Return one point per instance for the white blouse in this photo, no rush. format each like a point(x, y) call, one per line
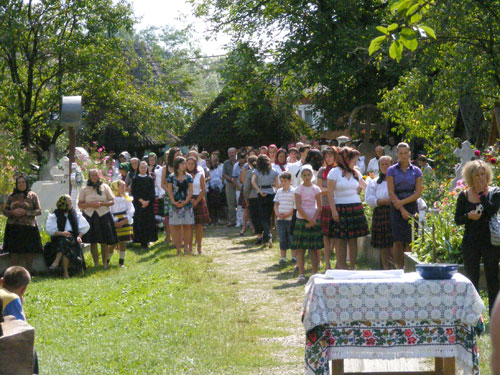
point(376, 191)
point(197, 184)
point(373, 166)
point(123, 205)
point(346, 189)
point(51, 224)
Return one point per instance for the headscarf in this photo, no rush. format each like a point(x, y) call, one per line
point(381, 178)
point(96, 185)
point(25, 192)
point(116, 191)
point(343, 158)
point(126, 155)
point(62, 203)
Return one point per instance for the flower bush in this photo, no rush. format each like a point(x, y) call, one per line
point(447, 234)
point(96, 160)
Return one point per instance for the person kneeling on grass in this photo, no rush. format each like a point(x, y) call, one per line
point(307, 232)
point(123, 215)
point(284, 203)
point(66, 227)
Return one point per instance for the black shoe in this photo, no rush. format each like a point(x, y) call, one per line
point(259, 241)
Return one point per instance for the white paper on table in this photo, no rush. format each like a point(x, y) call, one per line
point(359, 275)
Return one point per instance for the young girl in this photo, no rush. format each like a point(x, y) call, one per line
point(180, 192)
point(200, 209)
point(349, 221)
point(326, 213)
point(307, 231)
point(123, 212)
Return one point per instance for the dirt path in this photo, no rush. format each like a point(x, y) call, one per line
point(269, 291)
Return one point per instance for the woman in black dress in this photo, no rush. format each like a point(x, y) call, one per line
point(475, 207)
point(143, 192)
point(21, 232)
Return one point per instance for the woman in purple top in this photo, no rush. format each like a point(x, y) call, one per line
point(404, 182)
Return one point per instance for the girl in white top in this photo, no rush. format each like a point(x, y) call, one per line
point(377, 196)
point(349, 221)
point(123, 215)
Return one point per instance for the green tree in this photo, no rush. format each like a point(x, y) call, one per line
point(320, 45)
point(48, 49)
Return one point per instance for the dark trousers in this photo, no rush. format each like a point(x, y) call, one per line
point(266, 206)
point(472, 259)
point(253, 207)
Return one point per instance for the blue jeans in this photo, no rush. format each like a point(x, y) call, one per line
point(285, 233)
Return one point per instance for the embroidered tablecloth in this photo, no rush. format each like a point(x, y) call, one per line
point(389, 318)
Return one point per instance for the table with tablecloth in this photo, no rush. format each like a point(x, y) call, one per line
point(387, 318)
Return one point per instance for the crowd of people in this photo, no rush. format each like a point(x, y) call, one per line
point(310, 198)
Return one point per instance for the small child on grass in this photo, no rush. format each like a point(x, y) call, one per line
point(307, 232)
point(284, 203)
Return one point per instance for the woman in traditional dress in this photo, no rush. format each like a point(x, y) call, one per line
point(143, 192)
point(404, 181)
point(123, 215)
point(329, 156)
point(66, 227)
point(156, 171)
point(377, 196)
point(94, 200)
point(200, 209)
point(22, 237)
point(349, 221)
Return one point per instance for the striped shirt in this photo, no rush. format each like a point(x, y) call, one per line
point(286, 201)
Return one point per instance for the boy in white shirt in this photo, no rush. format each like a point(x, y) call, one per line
point(284, 203)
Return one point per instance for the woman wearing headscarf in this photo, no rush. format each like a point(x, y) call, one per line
point(132, 172)
point(66, 227)
point(143, 192)
point(156, 171)
point(94, 200)
point(21, 232)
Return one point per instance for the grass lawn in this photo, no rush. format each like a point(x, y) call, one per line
point(163, 314)
point(232, 311)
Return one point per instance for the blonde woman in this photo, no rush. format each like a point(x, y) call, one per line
point(475, 207)
point(123, 215)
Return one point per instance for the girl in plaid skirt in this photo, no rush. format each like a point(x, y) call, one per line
point(349, 221)
point(377, 196)
point(326, 213)
point(307, 232)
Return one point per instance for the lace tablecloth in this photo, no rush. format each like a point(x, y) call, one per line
point(388, 318)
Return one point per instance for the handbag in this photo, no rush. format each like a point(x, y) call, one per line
point(495, 228)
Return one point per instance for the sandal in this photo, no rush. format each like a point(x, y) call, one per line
point(242, 232)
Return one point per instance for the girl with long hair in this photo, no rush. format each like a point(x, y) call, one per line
point(349, 221)
point(200, 209)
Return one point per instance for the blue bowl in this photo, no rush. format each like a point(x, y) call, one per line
point(436, 271)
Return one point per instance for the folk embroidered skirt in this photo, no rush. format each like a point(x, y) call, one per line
point(352, 222)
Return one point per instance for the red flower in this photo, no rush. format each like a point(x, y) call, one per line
point(408, 332)
point(477, 153)
point(370, 341)
point(452, 339)
point(449, 331)
point(327, 333)
point(493, 161)
point(313, 337)
point(411, 340)
point(367, 333)
point(331, 341)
